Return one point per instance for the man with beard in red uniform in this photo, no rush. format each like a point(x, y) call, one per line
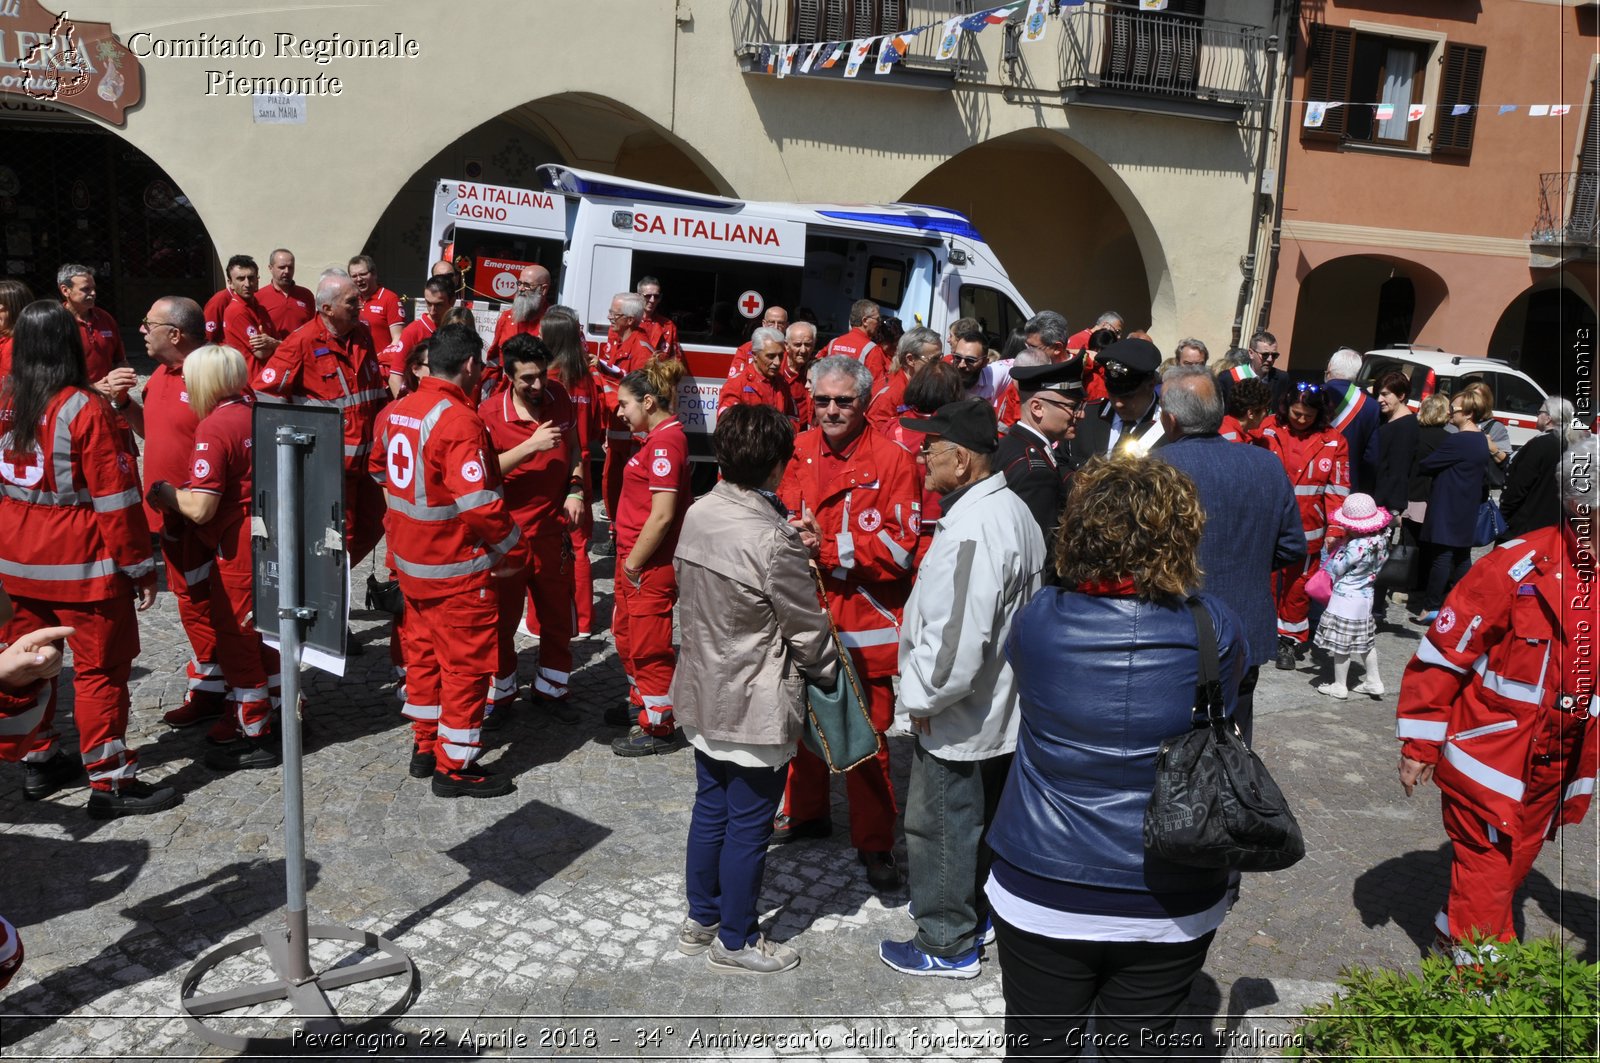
point(522, 318)
point(860, 494)
point(859, 343)
point(439, 299)
point(453, 538)
point(173, 329)
point(763, 381)
point(533, 426)
point(659, 330)
point(246, 325)
point(288, 304)
point(381, 312)
point(109, 372)
point(330, 362)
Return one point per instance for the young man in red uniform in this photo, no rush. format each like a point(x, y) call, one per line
point(381, 311)
point(660, 331)
point(453, 538)
point(859, 344)
point(626, 351)
point(521, 318)
point(330, 362)
point(246, 325)
point(860, 494)
point(288, 304)
point(763, 382)
point(437, 294)
point(173, 329)
point(532, 424)
point(109, 373)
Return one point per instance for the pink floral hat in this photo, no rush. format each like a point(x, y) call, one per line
point(1361, 515)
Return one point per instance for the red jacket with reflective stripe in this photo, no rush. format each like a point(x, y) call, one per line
point(1515, 637)
point(315, 368)
point(448, 523)
point(750, 388)
point(870, 513)
point(72, 524)
point(1319, 468)
point(858, 345)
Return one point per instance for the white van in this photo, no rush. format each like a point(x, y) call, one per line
point(721, 262)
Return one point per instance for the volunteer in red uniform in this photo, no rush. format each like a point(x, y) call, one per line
point(859, 343)
point(173, 329)
point(1498, 707)
point(14, 295)
point(918, 347)
point(522, 318)
point(246, 325)
point(101, 339)
point(330, 362)
point(659, 330)
point(452, 538)
point(288, 304)
point(763, 381)
point(569, 367)
point(860, 494)
point(215, 307)
point(439, 298)
point(776, 317)
point(77, 555)
point(625, 351)
point(651, 505)
point(216, 500)
point(1317, 460)
point(533, 426)
point(381, 311)
point(800, 350)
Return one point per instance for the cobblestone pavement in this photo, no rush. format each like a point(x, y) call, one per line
point(544, 923)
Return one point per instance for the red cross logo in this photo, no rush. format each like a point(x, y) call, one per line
point(400, 462)
point(751, 304)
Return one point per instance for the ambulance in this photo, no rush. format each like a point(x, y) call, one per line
point(721, 262)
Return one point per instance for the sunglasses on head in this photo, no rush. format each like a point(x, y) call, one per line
point(1305, 388)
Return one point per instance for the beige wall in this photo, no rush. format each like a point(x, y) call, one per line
point(1181, 186)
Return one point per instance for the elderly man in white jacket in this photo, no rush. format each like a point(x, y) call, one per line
point(956, 687)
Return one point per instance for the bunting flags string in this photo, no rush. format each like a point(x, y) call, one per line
point(1316, 111)
point(785, 60)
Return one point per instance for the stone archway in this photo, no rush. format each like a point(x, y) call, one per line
point(1540, 325)
point(1363, 301)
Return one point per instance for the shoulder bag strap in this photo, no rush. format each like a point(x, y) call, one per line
point(1208, 696)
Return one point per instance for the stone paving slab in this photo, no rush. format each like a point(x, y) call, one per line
point(544, 924)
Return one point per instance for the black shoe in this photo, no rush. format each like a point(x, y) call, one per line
point(560, 709)
point(263, 752)
point(45, 778)
point(641, 743)
point(624, 715)
point(422, 764)
point(1286, 656)
point(497, 720)
point(882, 874)
point(133, 798)
point(471, 781)
point(786, 830)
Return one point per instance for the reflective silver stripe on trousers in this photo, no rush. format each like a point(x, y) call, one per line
point(87, 570)
point(420, 712)
point(27, 721)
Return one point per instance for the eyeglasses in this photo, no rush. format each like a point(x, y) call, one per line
point(1267, 356)
point(146, 323)
point(1458, 409)
point(614, 314)
point(965, 359)
point(1072, 408)
point(844, 402)
point(531, 287)
point(926, 450)
point(652, 297)
point(1307, 388)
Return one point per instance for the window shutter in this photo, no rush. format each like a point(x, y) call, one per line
point(1462, 82)
point(807, 21)
point(1328, 78)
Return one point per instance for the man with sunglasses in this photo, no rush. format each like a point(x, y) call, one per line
point(659, 330)
point(857, 496)
point(1262, 365)
point(1031, 454)
point(970, 355)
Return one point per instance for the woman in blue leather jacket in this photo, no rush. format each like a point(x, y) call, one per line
point(1106, 666)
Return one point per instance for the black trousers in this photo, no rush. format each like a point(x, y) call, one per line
point(1133, 990)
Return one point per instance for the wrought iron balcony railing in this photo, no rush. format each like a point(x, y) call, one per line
point(1114, 47)
point(1568, 212)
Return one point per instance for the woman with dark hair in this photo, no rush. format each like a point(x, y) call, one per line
point(1106, 668)
point(651, 504)
point(1460, 468)
point(14, 295)
point(752, 629)
point(1396, 440)
point(77, 555)
point(1317, 459)
point(569, 367)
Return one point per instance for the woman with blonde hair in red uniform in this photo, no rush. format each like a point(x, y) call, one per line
point(77, 554)
point(216, 500)
point(650, 510)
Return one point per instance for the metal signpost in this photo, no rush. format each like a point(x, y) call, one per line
point(302, 581)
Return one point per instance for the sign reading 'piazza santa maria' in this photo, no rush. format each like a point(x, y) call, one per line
point(53, 59)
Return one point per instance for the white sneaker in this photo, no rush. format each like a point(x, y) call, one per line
point(764, 957)
point(1369, 686)
point(1333, 690)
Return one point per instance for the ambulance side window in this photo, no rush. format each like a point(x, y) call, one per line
point(996, 314)
point(717, 302)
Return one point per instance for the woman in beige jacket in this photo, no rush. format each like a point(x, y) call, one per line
point(752, 630)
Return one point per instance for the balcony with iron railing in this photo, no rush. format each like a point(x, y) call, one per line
point(1105, 53)
point(1569, 212)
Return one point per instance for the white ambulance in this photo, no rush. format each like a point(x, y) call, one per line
point(721, 262)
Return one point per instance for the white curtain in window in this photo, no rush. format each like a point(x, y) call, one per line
point(1399, 68)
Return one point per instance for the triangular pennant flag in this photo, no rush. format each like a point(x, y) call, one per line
point(1415, 112)
point(1152, 5)
point(982, 20)
point(858, 55)
point(1460, 109)
point(889, 53)
point(1538, 110)
point(835, 53)
point(949, 37)
point(764, 59)
point(1384, 112)
point(786, 60)
point(1315, 113)
point(811, 57)
point(1507, 108)
point(1560, 108)
point(1033, 26)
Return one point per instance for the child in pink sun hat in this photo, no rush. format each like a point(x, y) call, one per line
point(1352, 562)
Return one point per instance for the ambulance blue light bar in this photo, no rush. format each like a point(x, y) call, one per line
point(927, 223)
point(572, 182)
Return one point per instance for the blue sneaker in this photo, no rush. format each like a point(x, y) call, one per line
point(986, 933)
point(905, 957)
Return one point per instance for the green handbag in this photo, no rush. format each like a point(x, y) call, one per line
point(837, 726)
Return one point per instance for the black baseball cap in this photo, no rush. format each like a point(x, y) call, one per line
point(968, 423)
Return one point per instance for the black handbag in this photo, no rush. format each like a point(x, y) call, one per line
point(1403, 567)
point(385, 595)
point(1214, 804)
point(1491, 523)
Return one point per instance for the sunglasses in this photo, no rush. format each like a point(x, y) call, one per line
point(966, 360)
point(844, 402)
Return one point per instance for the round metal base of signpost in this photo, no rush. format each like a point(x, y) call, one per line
point(307, 997)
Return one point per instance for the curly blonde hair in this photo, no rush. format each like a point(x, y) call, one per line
point(1132, 517)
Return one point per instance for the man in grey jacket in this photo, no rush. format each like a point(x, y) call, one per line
point(956, 687)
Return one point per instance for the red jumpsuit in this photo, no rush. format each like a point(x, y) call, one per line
point(588, 405)
point(392, 357)
point(494, 376)
point(449, 527)
point(889, 401)
point(288, 310)
point(535, 492)
point(221, 466)
point(380, 311)
point(313, 367)
point(867, 502)
point(77, 545)
point(1319, 468)
point(1500, 697)
point(642, 617)
point(750, 388)
point(858, 345)
point(243, 319)
point(661, 332)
